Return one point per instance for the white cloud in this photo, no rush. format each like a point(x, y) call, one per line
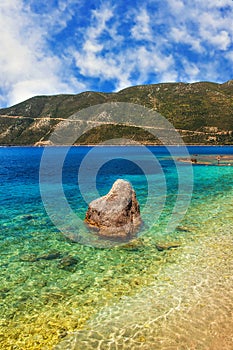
point(229, 56)
point(95, 58)
point(92, 46)
point(142, 29)
point(221, 40)
point(99, 26)
point(24, 89)
point(182, 36)
point(169, 76)
point(214, 31)
point(100, 17)
point(176, 6)
point(96, 66)
point(151, 61)
point(191, 71)
point(213, 4)
point(199, 26)
point(129, 65)
point(27, 66)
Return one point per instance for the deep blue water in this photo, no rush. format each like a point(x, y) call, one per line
point(20, 195)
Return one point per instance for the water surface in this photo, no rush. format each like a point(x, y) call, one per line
point(124, 297)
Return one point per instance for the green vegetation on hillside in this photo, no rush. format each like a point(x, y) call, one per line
point(202, 113)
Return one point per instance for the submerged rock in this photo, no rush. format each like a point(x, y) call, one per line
point(33, 257)
point(133, 245)
point(50, 256)
point(116, 214)
point(68, 263)
point(28, 257)
point(167, 246)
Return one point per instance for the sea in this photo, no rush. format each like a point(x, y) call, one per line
point(64, 287)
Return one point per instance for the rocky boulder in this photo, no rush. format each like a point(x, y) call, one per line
point(116, 214)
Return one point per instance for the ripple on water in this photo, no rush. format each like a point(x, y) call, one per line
point(188, 306)
point(133, 297)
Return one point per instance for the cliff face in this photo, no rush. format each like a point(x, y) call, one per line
point(202, 113)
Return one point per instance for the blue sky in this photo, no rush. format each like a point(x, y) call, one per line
point(70, 46)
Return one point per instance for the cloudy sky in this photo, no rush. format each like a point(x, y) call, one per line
point(70, 46)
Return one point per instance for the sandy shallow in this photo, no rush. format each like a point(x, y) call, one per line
point(220, 160)
point(188, 306)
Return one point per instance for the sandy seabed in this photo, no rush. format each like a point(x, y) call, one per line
point(188, 306)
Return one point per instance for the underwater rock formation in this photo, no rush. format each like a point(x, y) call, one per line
point(117, 214)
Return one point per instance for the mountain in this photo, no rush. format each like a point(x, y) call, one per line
point(202, 112)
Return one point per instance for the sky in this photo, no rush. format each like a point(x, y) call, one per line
point(71, 46)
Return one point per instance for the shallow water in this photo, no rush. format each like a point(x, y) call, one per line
point(188, 305)
point(125, 297)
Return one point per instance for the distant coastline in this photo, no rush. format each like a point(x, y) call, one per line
point(119, 145)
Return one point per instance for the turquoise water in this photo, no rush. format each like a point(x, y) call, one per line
point(52, 286)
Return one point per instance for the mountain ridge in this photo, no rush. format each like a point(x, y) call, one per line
point(202, 112)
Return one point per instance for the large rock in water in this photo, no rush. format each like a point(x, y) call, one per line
point(116, 214)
